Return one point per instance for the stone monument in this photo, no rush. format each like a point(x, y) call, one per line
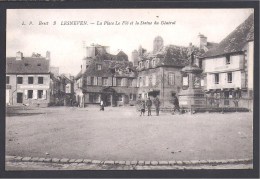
point(191, 96)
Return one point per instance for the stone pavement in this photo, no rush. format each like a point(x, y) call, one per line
point(28, 163)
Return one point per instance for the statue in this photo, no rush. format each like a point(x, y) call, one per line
point(191, 54)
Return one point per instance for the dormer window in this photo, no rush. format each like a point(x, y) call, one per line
point(38, 64)
point(227, 59)
point(140, 64)
point(99, 67)
point(153, 62)
point(147, 64)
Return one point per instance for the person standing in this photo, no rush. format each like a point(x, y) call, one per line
point(149, 106)
point(175, 104)
point(157, 105)
point(142, 108)
point(101, 105)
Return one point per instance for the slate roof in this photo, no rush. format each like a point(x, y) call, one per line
point(110, 68)
point(28, 65)
point(173, 55)
point(235, 41)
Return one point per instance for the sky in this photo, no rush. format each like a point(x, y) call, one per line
point(67, 42)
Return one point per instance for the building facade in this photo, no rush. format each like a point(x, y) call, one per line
point(111, 78)
point(228, 68)
point(159, 71)
point(27, 80)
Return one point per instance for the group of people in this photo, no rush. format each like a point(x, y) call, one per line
point(148, 104)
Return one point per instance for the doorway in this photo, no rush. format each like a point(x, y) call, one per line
point(19, 97)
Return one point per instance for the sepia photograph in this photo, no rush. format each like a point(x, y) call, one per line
point(129, 89)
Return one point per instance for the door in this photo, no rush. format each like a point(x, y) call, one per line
point(19, 97)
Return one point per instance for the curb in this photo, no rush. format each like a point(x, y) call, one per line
point(141, 162)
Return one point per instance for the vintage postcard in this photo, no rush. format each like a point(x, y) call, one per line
point(129, 89)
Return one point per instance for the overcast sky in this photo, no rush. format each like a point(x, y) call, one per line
point(65, 42)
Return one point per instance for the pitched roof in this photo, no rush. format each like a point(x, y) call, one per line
point(27, 65)
point(173, 55)
point(235, 41)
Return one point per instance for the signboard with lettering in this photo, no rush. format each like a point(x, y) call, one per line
point(34, 86)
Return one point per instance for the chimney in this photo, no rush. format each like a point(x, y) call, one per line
point(48, 55)
point(19, 55)
point(202, 41)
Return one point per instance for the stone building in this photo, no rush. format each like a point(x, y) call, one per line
point(28, 80)
point(159, 71)
point(111, 78)
point(228, 68)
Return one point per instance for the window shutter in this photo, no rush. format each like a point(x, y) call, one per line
point(109, 81)
point(26, 94)
point(44, 95)
point(95, 80)
point(114, 81)
point(88, 80)
point(99, 81)
point(34, 94)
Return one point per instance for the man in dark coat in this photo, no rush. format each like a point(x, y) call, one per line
point(149, 106)
point(176, 104)
point(157, 105)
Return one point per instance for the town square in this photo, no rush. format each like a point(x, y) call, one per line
point(130, 93)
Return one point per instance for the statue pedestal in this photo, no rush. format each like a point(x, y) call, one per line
point(191, 96)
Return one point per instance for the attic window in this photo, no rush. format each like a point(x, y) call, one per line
point(227, 59)
point(38, 64)
point(26, 64)
point(99, 67)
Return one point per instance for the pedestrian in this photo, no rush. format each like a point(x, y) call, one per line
point(142, 108)
point(102, 105)
point(176, 106)
point(149, 106)
point(157, 105)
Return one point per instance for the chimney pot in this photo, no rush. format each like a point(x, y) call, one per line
point(19, 55)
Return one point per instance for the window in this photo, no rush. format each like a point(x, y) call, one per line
point(171, 77)
point(154, 79)
point(200, 63)
point(147, 64)
point(92, 80)
point(140, 81)
point(30, 94)
point(94, 98)
point(202, 82)
point(118, 81)
point(104, 81)
point(30, 80)
point(216, 78)
point(147, 80)
point(132, 97)
point(40, 80)
point(140, 64)
point(19, 80)
point(99, 67)
point(131, 82)
point(120, 97)
point(227, 59)
point(144, 80)
point(7, 79)
point(38, 64)
point(40, 94)
point(229, 77)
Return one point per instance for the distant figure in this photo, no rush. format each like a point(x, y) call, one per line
point(101, 105)
point(175, 104)
point(157, 105)
point(142, 108)
point(149, 106)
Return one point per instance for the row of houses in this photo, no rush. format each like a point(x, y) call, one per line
point(227, 70)
point(227, 73)
point(31, 81)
